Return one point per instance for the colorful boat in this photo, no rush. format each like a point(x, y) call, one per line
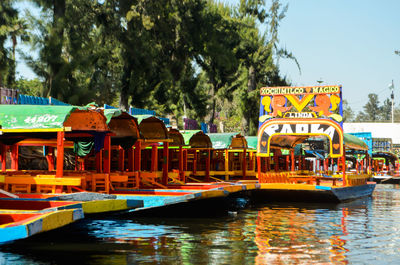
point(20, 219)
point(288, 117)
point(385, 167)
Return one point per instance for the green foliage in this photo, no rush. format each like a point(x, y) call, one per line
point(374, 112)
point(29, 87)
point(199, 59)
point(348, 114)
point(9, 25)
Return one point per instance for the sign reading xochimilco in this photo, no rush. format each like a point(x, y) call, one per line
point(286, 112)
point(301, 102)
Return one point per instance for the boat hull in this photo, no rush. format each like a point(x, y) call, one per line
point(309, 194)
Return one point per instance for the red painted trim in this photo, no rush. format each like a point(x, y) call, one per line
point(107, 154)
point(132, 192)
point(165, 163)
point(121, 159)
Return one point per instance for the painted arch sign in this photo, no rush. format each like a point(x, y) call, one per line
point(300, 127)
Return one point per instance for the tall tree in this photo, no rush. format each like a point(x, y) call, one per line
point(259, 54)
point(218, 56)
point(372, 110)
point(386, 110)
point(348, 114)
point(66, 48)
point(8, 18)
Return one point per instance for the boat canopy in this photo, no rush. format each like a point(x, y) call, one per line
point(387, 155)
point(197, 139)
point(287, 133)
point(152, 128)
point(84, 126)
point(251, 142)
point(19, 122)
point(353, 142)
point(227, 140)
point(187, 134)
point(176, 136)
point(123, 126)
point(20, 117)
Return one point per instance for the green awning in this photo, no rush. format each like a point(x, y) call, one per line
point(221, 140)
point(252, 142)
point(110, 113)
point(353, 142)
point(34, 116)
point(188, 134)
point(141, 117)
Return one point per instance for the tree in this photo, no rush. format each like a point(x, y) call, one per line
point(386, 110)
point(348, 114)
point(259, 53)
point(372, 109)
point(67, 49)
point(8, 18)
point(217, 58)
point(29, 87)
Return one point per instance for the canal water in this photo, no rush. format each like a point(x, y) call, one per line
point(365, 231)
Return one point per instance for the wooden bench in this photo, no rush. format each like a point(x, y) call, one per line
point(318, 180)
point(118, 180)
point(24, 183)
point(301, 179)
point(150, 178)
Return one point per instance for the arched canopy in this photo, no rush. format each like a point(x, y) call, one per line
point(386, 155)
point(227, 140)
point(251, 142)
point(354, 143)
point(176, 136)
point(86, 120)
point(123, 126)
point(152, 128)
point(19, 122)
point(287, 133)
point(197, 139)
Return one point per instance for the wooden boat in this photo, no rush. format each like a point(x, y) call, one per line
point(288, 117)
point(385, 167)
point(22, 218)
point(20, 225)
point(232, 158)
point(99, 138)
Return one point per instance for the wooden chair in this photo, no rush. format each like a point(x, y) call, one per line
point(46, 188)
point(150, 179)
point(101, 183)
point(18, 186)
point(118, 180)
point(133, 180)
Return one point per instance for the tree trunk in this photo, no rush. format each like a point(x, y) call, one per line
point(55, 62)
point(251, 86)
point(125, 84)
point(213, 103)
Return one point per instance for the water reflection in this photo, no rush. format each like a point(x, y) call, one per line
point(361, 232)
point(299, 235)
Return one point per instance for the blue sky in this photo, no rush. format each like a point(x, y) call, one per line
point(344, 42)
point(347, 42)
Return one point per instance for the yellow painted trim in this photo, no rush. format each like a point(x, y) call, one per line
point(234, 188)
point(43, 180)
point(64, 129)
point(104, 206)
point(212, 194)
point(57, 219)
point(158, 140)
point(284, 186)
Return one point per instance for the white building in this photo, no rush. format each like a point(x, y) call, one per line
point(378, 130)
